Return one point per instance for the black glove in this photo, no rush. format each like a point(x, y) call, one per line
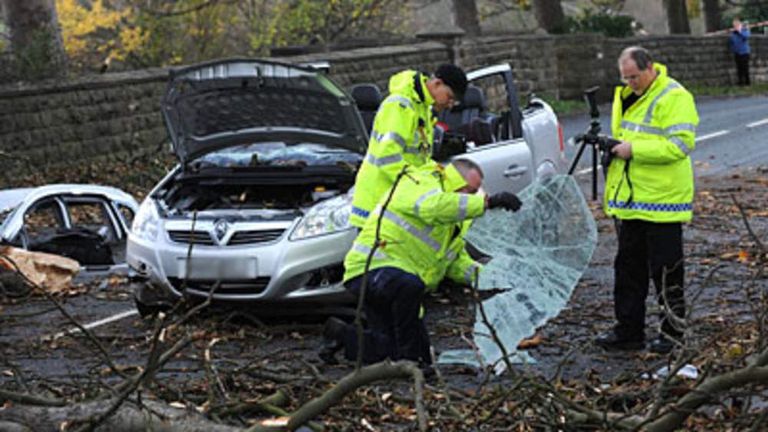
point(505, 200)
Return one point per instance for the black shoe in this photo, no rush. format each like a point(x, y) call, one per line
point(333, 340)
point(610, 341)
point(661, 345)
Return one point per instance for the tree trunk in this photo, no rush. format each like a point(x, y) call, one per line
point(35, 38)
point(158, 417)
point(677, 17)
point(549, 15)
point(465, 13)
point(712, 15)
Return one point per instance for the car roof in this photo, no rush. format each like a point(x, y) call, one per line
point(10, 198)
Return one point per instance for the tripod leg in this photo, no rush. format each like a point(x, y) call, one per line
point(577, 157)
point(594, 172)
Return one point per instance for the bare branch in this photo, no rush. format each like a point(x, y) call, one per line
point(385, 370)
point(63, 310)
point(197, 8)
point(747, 225)
point(705, 392)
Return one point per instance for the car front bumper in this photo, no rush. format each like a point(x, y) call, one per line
point(302, 270)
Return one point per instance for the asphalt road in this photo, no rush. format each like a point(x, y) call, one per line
point(732, 134)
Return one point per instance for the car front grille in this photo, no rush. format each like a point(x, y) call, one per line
point(249, 237)
point(197, 237)
point(247, 286)
point(204, 238)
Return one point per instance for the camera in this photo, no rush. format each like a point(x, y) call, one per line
point(601, 144)
point(604, 143)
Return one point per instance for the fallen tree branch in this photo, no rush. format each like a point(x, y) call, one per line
point(30, 399)
point(367, 375)
point(672, 419)
point(105, 354)
point(128, 418)
point(747, 225)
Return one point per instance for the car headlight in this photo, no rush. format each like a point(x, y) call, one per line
point(145, 223)
point(325, 218)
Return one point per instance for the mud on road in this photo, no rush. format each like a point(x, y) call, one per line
point(241, 354)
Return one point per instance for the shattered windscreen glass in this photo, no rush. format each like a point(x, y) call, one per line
point(538, 256)
point(278, 154)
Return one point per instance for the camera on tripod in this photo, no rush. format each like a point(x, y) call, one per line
point(602, 145)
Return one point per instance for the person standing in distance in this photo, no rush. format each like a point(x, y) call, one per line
point(739, 43)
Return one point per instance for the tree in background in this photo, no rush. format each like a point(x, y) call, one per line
point(712, 15)
point(753, 10)
point(677, 16)
point(549, 15)
point(141, 33)
point(302, 22)
point(465, 13)
point(35, 38)
point(98, 34)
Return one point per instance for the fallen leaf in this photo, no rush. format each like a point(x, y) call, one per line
point(735, 350)
point(367, 425)
point(535, 341)
point(276, 422)
point(743, 256)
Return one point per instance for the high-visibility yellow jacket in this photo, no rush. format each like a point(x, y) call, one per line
point(656, 184)
point(402, 134)
point(422, 229)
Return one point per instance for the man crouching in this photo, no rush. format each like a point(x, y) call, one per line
point(420, 241)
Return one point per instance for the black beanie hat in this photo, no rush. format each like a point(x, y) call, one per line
point(454, 78)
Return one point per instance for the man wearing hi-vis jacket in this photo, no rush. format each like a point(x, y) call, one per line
point(649, 190)
point(420, 241)
point(403, 131)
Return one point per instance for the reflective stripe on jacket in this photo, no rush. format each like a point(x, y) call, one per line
point(422, 229)
point(656, 184)
point(402, 134)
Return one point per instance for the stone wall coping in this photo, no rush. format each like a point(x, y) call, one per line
point(369, 52)
point(87, 82)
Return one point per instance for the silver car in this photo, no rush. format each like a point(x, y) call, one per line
point(87, 223)
point(258, 207)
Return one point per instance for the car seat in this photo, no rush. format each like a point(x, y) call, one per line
point(367, 98)
point(471, 107)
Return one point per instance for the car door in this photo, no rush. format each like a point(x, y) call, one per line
point(41, 221)
point(506, 158)
point(91, 216)
point(506, 165)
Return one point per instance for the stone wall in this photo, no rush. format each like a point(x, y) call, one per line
point(116, 117)
point(377, 64)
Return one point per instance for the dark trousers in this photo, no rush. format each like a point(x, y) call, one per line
point(394, 329)
point(742, 68)
point(648, 250)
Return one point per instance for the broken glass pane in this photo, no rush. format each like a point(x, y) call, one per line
point(538, 255)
